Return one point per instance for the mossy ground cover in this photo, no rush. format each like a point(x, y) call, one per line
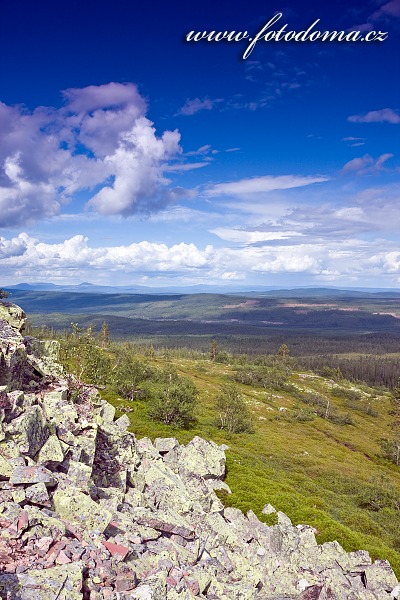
point(320, 472)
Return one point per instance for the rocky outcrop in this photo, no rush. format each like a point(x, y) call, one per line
point(25, 362)
point(89, 511)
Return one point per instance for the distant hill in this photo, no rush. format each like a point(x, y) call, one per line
point(271, 291)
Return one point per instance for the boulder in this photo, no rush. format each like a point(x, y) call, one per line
point(13, 315)
point(63, 582)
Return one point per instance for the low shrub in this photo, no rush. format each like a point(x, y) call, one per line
point(233, 413)
point(341, 392)
point(175, 404)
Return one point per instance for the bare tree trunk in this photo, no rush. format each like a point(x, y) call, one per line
point(327, 410)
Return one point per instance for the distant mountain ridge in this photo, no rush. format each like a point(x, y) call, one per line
point(307, 291)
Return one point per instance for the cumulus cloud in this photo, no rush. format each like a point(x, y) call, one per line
point(385, 115)
point(99, 141)
point(25, 252)
point(191, 107)
point(22, 200)
point(111, 95)
point(15, 247)
point(24, 258)
point(266, 183)
point(390, 261)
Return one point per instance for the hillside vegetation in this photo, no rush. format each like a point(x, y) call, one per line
point(312, 445)
point(339, 329)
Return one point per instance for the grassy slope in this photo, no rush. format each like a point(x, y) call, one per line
point(316, 472)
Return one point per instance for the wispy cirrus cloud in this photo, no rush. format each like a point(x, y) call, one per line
point(246, 236)
point(339, 219)
point(180, 167)
point(263, 184)
point(385, 115)
point(354, 141)
point(208, 151)
point(364, 165)
point(391, 9)
point(191, 107)
point(386, 12)
point(202, 151)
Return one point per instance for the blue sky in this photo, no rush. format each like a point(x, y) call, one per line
point(129, 155)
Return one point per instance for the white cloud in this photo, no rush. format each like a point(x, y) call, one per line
point(264, 184)
point(200, 151)
point(391, 262)
point(136, 167)
point(385, 115)
point(180, 167)
point(252, 237)
point(22, 201)
point(24, 258)
point(251, 260)
point(14, 247)
point(29, 254)
point(111, 95)
point(232, 276)
point(100, 138)
point(351, 213)
point(372, 211)
point(354, 142)
point(174, 214)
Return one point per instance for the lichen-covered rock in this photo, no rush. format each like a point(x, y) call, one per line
point(63, 582)
point(379, 575)
point(163, 488)
point(199, 457)
point(43, 356)
point(78, 508)
point(24, 361)
point(29, 475)
point(13, 315)
point(30, 430)
point(38, 494)
point(164, 445)
point(51, 452)
point(6, 468)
